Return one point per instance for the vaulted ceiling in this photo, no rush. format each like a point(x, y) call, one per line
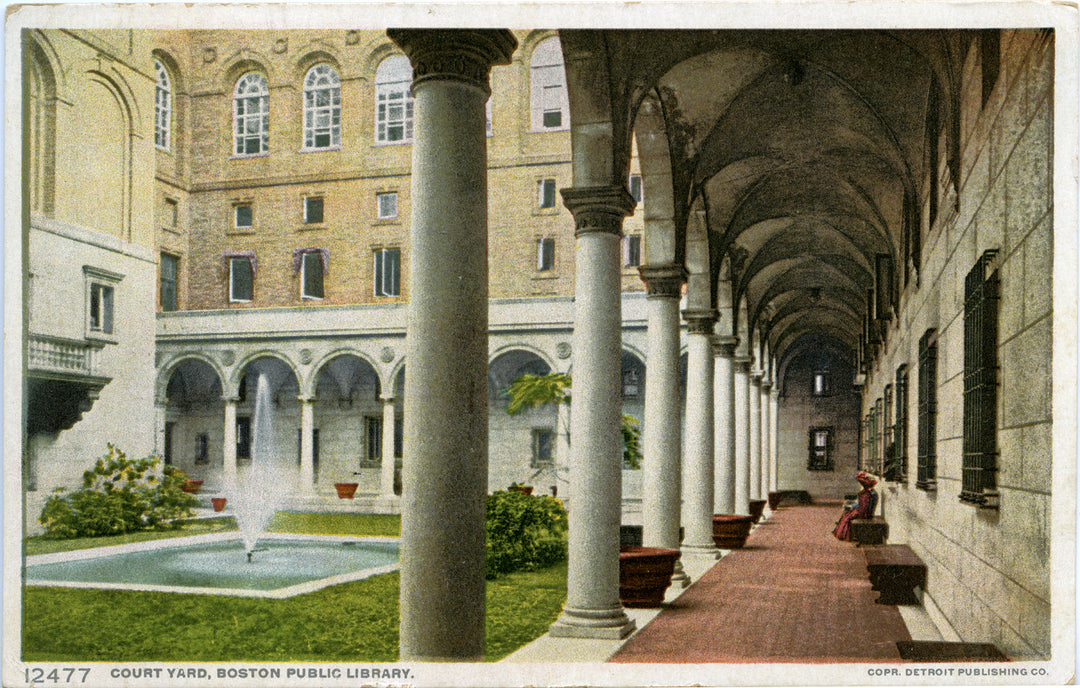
point(790, 164)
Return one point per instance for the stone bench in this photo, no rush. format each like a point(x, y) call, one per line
point(869, 531)
point(895, 571)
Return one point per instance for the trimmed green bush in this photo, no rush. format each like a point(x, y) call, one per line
point(524, 532)
point(118, 495)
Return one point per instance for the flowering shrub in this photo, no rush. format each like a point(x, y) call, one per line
point(524, 532)
point(118, 495)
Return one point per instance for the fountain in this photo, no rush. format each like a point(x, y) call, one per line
point(267, 482)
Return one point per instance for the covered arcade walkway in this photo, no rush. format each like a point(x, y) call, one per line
point(793, 594)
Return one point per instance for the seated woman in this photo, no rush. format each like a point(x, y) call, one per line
point(864, 507)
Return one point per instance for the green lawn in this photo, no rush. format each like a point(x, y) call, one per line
point(39, 545)
point(349, 622)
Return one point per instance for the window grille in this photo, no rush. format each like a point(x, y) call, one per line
point(979, 485)
point(168, 282)
point(632, 251)
point(322, 108)
point(394, 101)
point(901, 427)
point(545, 254)
point(542, 441)
point(550, 102)
point(388, 272)
point(926, 476)
point(386, 205)
point(251, 115)
point(545, 193)
point(820, 449)
point(373, 432)
point(162, 106)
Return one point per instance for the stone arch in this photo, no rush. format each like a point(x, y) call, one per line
point(42, 88)
point(239, 64)
point(378, 53)
point(522, 346)
point(165, 372)
point(311, 383)
point(315, 53)
point(665, 209)
point(240, 369)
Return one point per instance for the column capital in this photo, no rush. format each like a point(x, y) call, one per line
point(387, 400)
point(700, 322)
point(663, 280)
point(598, 208)
point(742, 363)
point(725, 345)
point(231, 400)
point(306, 398)
point(766, 385)
point(464, 55)
point(755, 377)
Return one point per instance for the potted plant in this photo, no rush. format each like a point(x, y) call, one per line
point(774, 500)
point(645, 574)
point(192, 485)
point(346, 490)
point(523, 489)
point(218, 502)
point(731, 530)
point(757, 508)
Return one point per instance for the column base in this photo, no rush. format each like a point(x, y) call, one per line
point(605, 624)
point(706, 551)
point(679, 576)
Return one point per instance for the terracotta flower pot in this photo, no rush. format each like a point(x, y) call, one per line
point(346, 490)
point(192, 485)
point(644, 575)
point(774, 500)
point(757, 507)
point(523, 489)
point(731, 530)
point(218, 502)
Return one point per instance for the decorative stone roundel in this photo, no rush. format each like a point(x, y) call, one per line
point(386, 355)
point(228, 357)
point(563, 350)
point(305, 356)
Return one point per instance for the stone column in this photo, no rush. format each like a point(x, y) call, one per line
point(724, 424)
point(766, 444)
point(742, 434)
point(307, 436)
point(386, 470)
point(755, 434)
point(160, 406)
point(593, 609)
point(563, 482)
point(698, 468)
point(774, 456)
point(446, 416)
point(228, 445)
point(662, 441)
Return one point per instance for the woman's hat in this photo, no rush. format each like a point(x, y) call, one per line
point(865, 479)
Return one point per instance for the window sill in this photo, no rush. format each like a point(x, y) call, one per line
point(550, 212)
point(547, 275)
point(248, 156)
point(387, 221)
point(328, 149)
point(239, 301)
point(312, 298)
point(553, 130)
point(311, 226)
point(380, 144)
point(239, 231)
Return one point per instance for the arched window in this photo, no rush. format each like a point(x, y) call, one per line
point(393, 101)
point(550, 102)
point(251, 115)
point(322, 108)
point(162, 107)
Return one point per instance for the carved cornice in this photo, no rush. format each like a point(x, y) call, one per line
point(455, 54)
point(598, 208)
point(725, 346)
point(700, 322)
point(663, 280)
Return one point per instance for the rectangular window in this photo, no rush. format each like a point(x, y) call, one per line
point(387, 272)
point(168, 282)
point(879, 436)
point(240, 280)
point(170, 430)
point(101, 308)
point(542, 442)
point(545, 254)
point(394, 113)
point(372, 457)
point(821, 443)
point(632, 251)
point(889, 470)
point(901, 427)
point(172, 213)
point(387, 205)
point(551, 102)
point(243, 437)
point(821, 384)
point(243, 216)
point(545, 193)
point(635, 187)
point(313, 210)
point(202, 448)
point(979, 484)
point(926, 478)
point(312, 277)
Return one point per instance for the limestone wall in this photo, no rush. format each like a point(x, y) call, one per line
point(989, 570)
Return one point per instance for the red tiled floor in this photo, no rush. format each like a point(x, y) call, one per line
point(794, 594)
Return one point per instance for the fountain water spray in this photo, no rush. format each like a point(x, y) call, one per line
point(269, 479)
